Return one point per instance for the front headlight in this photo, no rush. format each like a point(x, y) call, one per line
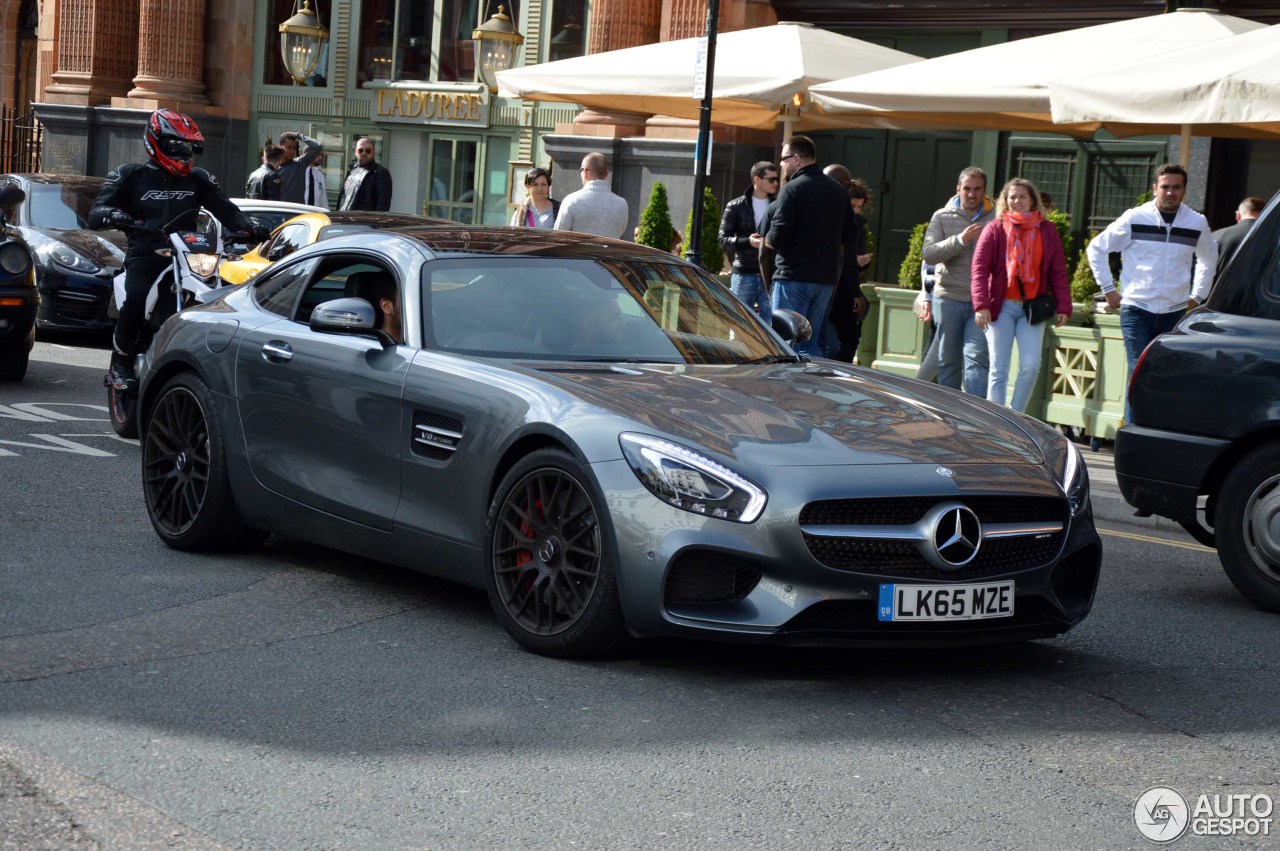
point(69, 258)
point(14, 258)
point(1074, 478)
point(203, 265)
point(690, 481)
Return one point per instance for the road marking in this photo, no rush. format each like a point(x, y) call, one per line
point(54, 443)
point(1151, 540)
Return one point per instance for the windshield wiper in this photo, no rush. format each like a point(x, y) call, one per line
point(776, 359)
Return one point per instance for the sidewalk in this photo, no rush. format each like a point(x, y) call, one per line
point(1108, 504)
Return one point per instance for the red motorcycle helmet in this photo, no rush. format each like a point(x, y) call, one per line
point(171, 139)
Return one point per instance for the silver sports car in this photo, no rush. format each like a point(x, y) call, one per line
point(604, 439)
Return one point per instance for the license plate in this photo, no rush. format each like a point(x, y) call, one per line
point(946, 602)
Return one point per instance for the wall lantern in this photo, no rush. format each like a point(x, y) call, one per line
point(496, 42)
point(302, 37)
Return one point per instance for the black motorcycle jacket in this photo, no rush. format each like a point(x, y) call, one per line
point(157, 198)
point(736, 227)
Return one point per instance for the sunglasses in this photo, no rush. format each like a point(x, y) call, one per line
point(773, 179)
point(787, 157)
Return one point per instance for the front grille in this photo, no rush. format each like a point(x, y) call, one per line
point(904, 510)
point(901, 558)
point(891, 557)
point(702, 576)
point(81, 306)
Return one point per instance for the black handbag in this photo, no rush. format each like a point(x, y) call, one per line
point(1040, 308)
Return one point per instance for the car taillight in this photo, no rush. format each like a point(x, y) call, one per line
point(1138, 366)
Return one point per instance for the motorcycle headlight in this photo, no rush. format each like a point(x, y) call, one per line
point(203, 265)
point(14, 258)
point(69, 258)
point(690, 481)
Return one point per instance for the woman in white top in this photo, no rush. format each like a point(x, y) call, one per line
point(539, 209)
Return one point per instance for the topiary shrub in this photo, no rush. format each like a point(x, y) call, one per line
point(655, 228)
point(1063, 223)
point(909, 271)
point(1083, 285)
point(712, 253)
point(871, 249)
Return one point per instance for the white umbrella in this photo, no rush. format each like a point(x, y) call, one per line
point(762, 75)
point(1006, 86)
point(1225, 88)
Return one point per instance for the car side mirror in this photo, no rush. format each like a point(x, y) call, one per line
point(352, 316)
point(791, 326)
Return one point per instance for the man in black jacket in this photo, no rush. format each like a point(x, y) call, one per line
point(368, 184)
point(1229, 238)
point(162, 195)
point(740, 237)
point(810, 223)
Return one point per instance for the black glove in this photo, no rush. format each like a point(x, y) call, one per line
point(119, 218)
point(259, 233)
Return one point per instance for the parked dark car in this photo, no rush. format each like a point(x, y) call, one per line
point(18, 296)
point(603, 437)
point(1206, 419)
point(74, 266)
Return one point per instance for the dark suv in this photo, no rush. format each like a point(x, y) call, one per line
point(1206, 419)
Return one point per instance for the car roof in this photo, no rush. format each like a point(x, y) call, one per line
point(250, 204)
point(459, 239)
point(377, 219)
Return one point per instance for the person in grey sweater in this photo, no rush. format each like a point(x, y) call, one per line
point(293, 169)
point(593, 208)
point(948, 245)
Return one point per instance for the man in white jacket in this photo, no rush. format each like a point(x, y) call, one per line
point(1157, 242)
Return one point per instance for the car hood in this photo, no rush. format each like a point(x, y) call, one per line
point(802, 414)
point(87, 243)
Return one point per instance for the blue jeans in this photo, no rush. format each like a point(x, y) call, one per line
point(1139, 327)
point(1011, 325)
point(962, 347)
point(810, 300)
point(750, 291)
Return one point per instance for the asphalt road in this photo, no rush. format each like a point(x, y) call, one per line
point(298, 698)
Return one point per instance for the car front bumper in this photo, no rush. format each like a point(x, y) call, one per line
point(685, 574)
point(75, 302)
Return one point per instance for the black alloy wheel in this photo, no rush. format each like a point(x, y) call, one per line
point(550, 579)
point(184, 473)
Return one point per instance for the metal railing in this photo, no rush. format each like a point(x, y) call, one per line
point(20, 140)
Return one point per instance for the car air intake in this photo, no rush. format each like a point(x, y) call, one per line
point(704, 576)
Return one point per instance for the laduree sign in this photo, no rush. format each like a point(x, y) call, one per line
point(447, 106)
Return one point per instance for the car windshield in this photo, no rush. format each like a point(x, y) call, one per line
point(61, 205)
point(632, 311)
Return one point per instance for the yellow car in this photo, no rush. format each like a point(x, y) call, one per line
point(312, 227)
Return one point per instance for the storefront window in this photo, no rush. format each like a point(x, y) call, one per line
point(451, 191)
point(399, 40)
point(568, 32)
point(273, 70)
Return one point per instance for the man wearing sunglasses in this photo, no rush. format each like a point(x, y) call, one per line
point(151, 200)
point(740, 238)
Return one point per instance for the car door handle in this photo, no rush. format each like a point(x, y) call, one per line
point(276, 352)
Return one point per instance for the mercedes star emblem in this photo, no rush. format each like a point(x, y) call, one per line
point(945, 472)
point(957, 535)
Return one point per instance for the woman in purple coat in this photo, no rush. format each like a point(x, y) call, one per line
point(1018, 256)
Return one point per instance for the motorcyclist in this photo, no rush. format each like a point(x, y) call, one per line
point(156, 195)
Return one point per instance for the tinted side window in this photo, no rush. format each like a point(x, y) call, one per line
point(1251, 286)
point(278, 291)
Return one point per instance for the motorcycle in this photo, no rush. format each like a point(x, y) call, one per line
point(192, 278)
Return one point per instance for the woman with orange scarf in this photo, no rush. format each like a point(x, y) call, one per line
point(1018, 256)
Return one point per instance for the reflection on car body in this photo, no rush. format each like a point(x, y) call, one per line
point(601, 436)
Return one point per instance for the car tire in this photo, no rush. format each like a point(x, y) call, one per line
point(13, 367)
point(550, 569)
point(1246, 521)
point(122, 407)
point(185, 482)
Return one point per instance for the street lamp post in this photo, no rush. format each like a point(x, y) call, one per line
point(496, 42)
point(693, 240)
point(302, 37)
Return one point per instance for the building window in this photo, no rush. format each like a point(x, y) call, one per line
point(273, 70)
point(417, 41)
point(568, 30)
